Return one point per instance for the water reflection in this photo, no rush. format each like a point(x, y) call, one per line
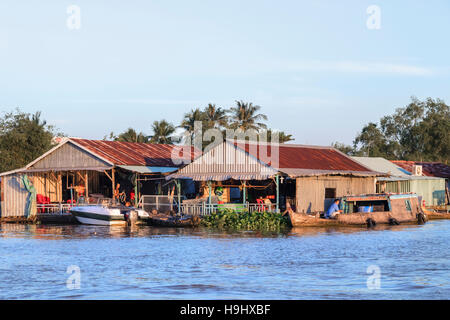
point(58, 232)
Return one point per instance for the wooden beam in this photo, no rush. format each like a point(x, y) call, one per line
point(86, 184)
point(82, 178)
point(105, 172)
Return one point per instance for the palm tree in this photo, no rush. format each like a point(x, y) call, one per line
point(245, 117)
point(163, 132)
point(215, 117)
point(188, 123)
point(282, 136)
point(131, 136)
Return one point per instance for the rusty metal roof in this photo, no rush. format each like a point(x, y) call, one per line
point(292, 156)
point(138, 154)
point(431, 169)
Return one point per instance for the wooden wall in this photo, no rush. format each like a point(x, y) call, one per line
point(69, 156)
point(14, 196)
point(310, 191)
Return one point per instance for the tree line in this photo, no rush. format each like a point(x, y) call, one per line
point(244, 116)
point(24, 136)
point(419, 131)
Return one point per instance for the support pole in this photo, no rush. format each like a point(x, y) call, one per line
point(113, 180)
point(277, 178)
point(244, 193)
point(136, 196)
point(209, 194)
point(86, 185)
point(179, 195)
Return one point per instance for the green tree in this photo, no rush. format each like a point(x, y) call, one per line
point(163, 132)
point(370, 142)
point(215, 117)
point(131, 135)
point(342, 147)
point(188, 122)
point(283, 137)
point(245, 116)
point(419, 131)
point(23, 138)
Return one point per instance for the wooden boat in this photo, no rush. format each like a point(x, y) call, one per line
point(165, 220)
point(382, 209)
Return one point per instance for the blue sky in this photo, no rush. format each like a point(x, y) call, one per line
point(315, 68)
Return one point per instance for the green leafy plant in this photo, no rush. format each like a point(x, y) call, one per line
point(230, 219)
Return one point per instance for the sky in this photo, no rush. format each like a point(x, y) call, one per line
point(320, 70)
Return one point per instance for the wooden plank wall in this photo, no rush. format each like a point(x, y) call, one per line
point(69, 156)
point(310, 191)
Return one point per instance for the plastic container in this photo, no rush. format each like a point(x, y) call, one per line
point(365, 209)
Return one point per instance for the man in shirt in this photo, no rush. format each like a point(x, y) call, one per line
point(333, 210)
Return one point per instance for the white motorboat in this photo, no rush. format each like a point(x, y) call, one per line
point(106, 214)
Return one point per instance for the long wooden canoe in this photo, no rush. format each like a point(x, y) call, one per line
point(400, 208)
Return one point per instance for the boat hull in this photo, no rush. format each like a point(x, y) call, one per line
point(355, 219)
point(171, 222)
point(403, 208)
point(104, 216)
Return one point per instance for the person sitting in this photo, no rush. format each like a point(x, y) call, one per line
point(333, 210)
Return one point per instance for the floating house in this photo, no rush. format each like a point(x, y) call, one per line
point(268, 176)
point(431, 189)
point(89, 169)
point(428, 169)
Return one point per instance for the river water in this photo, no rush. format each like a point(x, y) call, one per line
point(90, 262)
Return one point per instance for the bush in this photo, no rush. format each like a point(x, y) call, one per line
point(230, 219)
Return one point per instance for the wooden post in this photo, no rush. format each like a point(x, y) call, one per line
point(136, 196)
point(179, 195)
point(113, 180)
point(86, 185)
point(277, 178)
point(244, 193)
point(209, 195)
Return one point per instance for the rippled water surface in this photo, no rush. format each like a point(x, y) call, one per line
point(152, 263)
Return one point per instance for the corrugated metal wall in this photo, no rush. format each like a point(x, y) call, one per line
point(432, 191)
point(311, 190)
point(14, 196)
point(401, 186)
point(226, 159)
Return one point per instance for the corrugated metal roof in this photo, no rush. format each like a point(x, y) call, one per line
point(145, 169)
point(137, 154)
point(382, 165)
point(247, 161)
point(292, 156)
point(431, 169)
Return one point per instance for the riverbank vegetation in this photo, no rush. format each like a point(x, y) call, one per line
point(23, 138)
point(419, 131)
point(229, 219)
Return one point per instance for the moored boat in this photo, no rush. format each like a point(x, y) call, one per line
point(107, 215)
point(164, 220)
point(368, 210)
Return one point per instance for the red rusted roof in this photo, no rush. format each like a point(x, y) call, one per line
point(293, 156)
point(136, 154)
point(430, 169)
